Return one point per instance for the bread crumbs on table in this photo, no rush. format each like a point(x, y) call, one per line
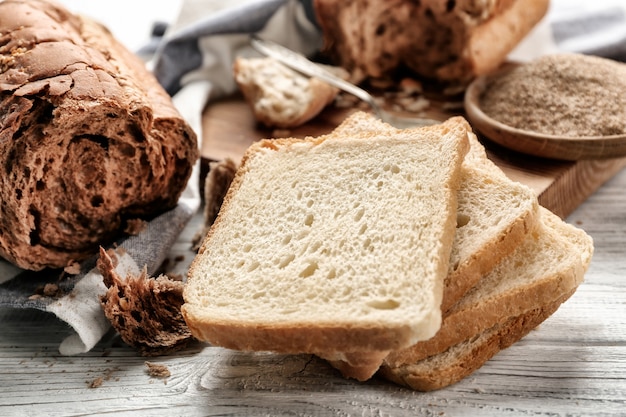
point(156, 370)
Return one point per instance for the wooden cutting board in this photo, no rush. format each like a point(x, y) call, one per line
point(229, 128)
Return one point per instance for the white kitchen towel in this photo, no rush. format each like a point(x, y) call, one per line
point(193, 61)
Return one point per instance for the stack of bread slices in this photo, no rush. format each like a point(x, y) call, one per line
point(406, 253)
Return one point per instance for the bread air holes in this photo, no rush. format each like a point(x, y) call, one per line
point(388, 304)
point(462, 220)
point(309, 270)
point(393, 168)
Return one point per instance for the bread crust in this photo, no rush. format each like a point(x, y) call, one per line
point(88, 138)
point(468, 319)
point(438, 372)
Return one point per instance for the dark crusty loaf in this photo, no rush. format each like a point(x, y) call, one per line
point(88, 138)
point(443, 40)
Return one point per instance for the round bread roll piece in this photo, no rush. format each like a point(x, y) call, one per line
point(279, 96)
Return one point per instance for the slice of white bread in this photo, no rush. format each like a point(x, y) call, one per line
point(521, 292)
point(461, 360)
point(494, 215)
point(331, 243)
point(551, 261)
point(278, 96)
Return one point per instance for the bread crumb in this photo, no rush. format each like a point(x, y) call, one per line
point(135, 226)
point(156, 370)
point(96, 383)
point(72, 268)
point(51, 290)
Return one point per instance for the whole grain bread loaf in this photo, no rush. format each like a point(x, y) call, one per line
point(450, 41)
point(88, 138)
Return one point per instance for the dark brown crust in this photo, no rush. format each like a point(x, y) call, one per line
point(448, 41)
point(88, 137)
point(428, 376)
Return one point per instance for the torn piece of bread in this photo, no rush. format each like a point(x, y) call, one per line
point(331, 244)
point(88, 138)
point(145, 311)
point(494, 215)
point(522, 291)
point(279, 96)
point(450, 41)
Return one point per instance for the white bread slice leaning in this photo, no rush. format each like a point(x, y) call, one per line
point(331, 244)
point(521, 292)
point(494, 215)
point(279, 96)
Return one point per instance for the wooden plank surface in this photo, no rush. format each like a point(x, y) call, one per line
point(229, 128)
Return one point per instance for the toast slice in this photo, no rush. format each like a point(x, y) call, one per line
point(331, 243)
point(521, 292)
point(494, 215)
point(461, 360)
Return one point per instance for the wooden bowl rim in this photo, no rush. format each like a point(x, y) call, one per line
point(480, 119)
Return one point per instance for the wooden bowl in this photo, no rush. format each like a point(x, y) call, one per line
point(533, 143)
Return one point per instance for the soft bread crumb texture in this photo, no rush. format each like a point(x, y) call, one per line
point(333, 232)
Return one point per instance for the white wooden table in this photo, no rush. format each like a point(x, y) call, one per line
point(573, 364)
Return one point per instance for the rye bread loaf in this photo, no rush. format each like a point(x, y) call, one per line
point(88, 138)
point(329, 243)
point(450, 41)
